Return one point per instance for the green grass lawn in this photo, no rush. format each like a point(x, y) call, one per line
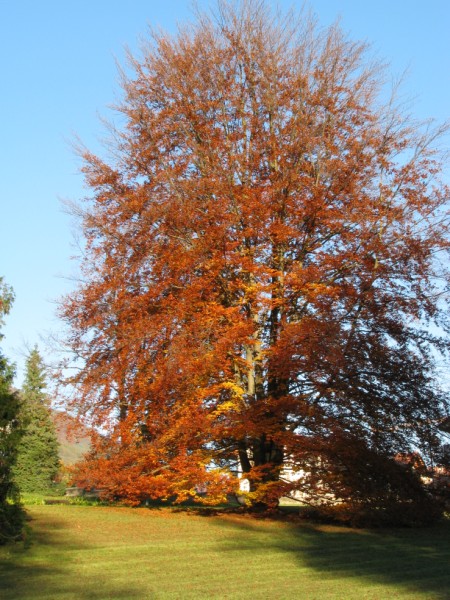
point(97, 552)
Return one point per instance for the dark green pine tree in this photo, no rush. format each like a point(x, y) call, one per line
point(11, 514)
point(38, 461)
point(9, 429)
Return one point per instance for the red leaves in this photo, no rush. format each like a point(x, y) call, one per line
point(255, 256)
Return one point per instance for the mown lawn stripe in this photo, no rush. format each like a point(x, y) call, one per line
point(119, 553)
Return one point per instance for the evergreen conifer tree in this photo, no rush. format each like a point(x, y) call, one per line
point(38, 460)
point(11, 515)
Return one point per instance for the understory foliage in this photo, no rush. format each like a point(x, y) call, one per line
point(263, 282)
point(37, 463)
point(11, 515)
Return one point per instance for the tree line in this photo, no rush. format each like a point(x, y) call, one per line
point(29, 460)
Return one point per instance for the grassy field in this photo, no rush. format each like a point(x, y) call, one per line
point(96, 553)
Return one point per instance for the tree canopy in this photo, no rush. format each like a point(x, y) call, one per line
point(264, 281)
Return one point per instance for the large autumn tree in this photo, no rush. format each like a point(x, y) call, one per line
point(263, 271)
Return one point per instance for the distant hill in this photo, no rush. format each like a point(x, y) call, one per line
point(73, 438)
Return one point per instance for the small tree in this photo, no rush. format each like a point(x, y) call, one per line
point(10, 511)
point(38, 459)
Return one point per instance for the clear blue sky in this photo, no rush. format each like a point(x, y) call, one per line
point(58, 75)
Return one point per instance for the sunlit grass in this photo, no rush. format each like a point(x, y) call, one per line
point(30, 499)
point(95, 552)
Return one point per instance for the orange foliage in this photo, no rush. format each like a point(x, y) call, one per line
point(261, 265)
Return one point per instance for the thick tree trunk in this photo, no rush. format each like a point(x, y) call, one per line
point(261, 453)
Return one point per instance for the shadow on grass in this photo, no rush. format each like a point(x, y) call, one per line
point(76, 557)
point(50, 574)
point(411, 560)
